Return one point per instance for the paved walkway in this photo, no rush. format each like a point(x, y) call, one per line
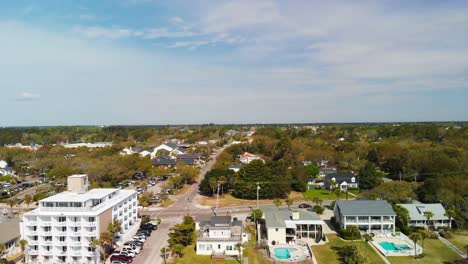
point(453, 247)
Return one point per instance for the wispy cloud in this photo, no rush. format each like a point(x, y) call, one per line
point(120, 32)
point(176, 20)
point(26, 96)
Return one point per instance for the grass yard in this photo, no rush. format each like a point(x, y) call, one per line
point(166, 203)
point(322, 194)
point(460, 239)
point(191, 258)
point(229, 200)
point(434, 252)
point(326, 253)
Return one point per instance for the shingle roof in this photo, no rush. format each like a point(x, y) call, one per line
point(9, 230)
point(416, 211)
point(276, 217)
point(163, 160)
point(339, 178)
point(365, 207)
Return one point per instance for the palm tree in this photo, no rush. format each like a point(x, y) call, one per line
point(28, 199)
point(277, 202)
point(239, 248)
point(450, 213)
point(11, 203)
point(114, 227)
point(164, 251)
point(423, 235)
point(22, 244)
point(317, 201)
point(2, 250)
point(428, 215)
point(222, 181)
point(105, 240)
point(367, 238)
point(94, 243)
point(337, 192)
point(213, 183)
point(415, 237)
point(288, 202)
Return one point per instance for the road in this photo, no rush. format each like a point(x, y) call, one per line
point(171, 216)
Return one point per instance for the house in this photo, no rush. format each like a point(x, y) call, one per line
point(231, 132)
point(10, 235)
point(32, 147)
point(246, 158)
point(416, 213)
point(235, 168)
point(283, 225)
point(5, 170)
point(130, 151)
point(191, 159)
point(342, 180)
point(172, 148)
point(145, 153)
point(88, 145)
point(3, 164)
point(163, 161)
point(326, 171)
point(372, 216)
point(219, 235)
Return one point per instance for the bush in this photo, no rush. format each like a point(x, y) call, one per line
point(406, 230)
point(432, 235)
point(446, 235)
point(318, 209)
point(334, 223)
point(348, 233)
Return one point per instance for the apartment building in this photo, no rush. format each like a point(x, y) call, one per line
point(61, 228)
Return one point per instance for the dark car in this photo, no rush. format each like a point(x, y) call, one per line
point(123, 258)
point(305, 205)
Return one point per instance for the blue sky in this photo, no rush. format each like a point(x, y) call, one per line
point(170, 62)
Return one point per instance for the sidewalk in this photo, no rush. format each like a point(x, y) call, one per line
point(453, 247)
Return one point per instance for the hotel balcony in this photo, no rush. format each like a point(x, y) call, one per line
point(72, 233)
point(75, 243)
point(60, 223)
point(33, 252)
point(45, 223)
point(89, 224)
point(61, 243)
point(74, 223)
point(46, 253)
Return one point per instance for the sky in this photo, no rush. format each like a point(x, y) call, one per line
point(137, 62)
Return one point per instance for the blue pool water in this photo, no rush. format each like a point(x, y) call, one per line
point(393, 246)
point(284, 253)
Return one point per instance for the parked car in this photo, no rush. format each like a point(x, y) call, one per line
point(305, 205)
point(126, 259)
point(136, 242)
point(128, 253)
point(133, 248)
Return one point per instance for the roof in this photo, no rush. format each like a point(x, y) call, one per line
point(97, 193)
point(189, 156)
point(327, 170)
point(365, 207)
point(416, 211)
point(163, 160)
point(78, 176)
point(10, 229)
point(221, 220)
point(339, 178)
point(171, 145)
point(279, 217)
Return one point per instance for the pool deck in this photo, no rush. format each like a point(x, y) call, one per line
point(300, 254)
point(395, 240)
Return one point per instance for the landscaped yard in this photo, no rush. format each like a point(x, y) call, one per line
point(326, 253)
point(434, 252)
point(229, 200)
point(459, 239)
point(322, 194)
point(191, 258)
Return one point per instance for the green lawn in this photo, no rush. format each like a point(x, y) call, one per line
point(326, 253)
point(322, 194)
point(191, 258)
point(459, 239)
point(434, 252)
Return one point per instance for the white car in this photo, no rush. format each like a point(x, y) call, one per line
point(128, 253)
point(141, 239)
point(132, 248)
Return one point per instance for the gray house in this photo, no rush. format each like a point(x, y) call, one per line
point(372, 216)
point(416, 212)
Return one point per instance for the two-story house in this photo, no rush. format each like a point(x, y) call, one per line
point(343, 181)
point(372, 216)
point(418, 218)
point(219, 235)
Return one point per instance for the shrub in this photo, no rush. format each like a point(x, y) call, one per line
point(432, 235)
point(350, 233)
point(318, 209)
point(446, 235)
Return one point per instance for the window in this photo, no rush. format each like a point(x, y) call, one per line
point(62, 219)
point(63, 228)
point(276, 229)
point(92, 219)
point(353, 179)
point(47, 228)
point(62, 239)
point(229, 247)
point(219, 246)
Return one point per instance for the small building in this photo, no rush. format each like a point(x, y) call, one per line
point(283, 225)
point(9, 235)
point(344, 181)
point(219, 235)
point(163, 162)
point(246, 158)
point(417, 218)
point(235, 168)
point(191, 159)
point(371, 216)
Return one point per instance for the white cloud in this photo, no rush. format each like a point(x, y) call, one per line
point(26, 96)
point(176, 20)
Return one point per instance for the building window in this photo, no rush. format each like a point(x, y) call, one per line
point(219, 246)
point(92, 219)
point(276, 229)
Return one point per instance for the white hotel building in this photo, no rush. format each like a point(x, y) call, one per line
point(59, 231)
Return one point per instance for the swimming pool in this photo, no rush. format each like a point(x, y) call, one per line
point(284, 253)
point(393, 246)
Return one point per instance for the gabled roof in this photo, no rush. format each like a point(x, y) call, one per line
point(10, 229)
point(339, 178)
point(163, 160)
point(171, 145)
point(189, 156)
point(364, 208)
point(278, 217)
point(416, 211)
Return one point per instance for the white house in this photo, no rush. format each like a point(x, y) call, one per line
point(372, 216)
point(246, 158)
point(5, 170)
point(60, 230)
point(416, 213)
point(3, 164)
point(283, 225)
point(219, 235)
point(343, 181)
point(173, 149)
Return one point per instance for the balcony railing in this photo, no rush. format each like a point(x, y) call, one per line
point(61, 243)
point(76, 243)
point(47, 242)
point(32, 232)
point(46, 253)
point(46, 233)
point(70, 223)
point(61, 233)
point(60, 223)
point(76, 253)
point(33, 252)
point(73, 233)
point(231, 238)
point(91, 224)
point(62, 253)
point(45, 223)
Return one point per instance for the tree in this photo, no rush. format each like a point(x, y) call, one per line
point(423, 234)
point(415, 237)
point(257, 214)
point(337, 192)
point(428, 215)
point(277, 202)
point(213, 184)
point(402, 213)
point(288, 202)
point(93, 244)
point(105, 241)
point(394, 192)
point(164, 251)
point(181, 235)
point(466, 248)
point(222, 181)
point(22, 244)
point(158, 221)
point(367, 238)
point(177, 249)
point(114, 227)
point(2, 249)
point(239, 249)
point(28, 199)
point(350, 254)
point(353, 231)
point(450, 213)
point(317, 200)
point(370, 176)
point(312, 170)
point(11, 202)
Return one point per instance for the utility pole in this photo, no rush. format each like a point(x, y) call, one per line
point(258, 188)
point(400, 175)
point(217, 197)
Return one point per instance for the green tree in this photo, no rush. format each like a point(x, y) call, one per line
point(367, 238)
point(423, 234)
point(93, 244)
point(277, 203)
point(28, 199)
point(312, 170)
point(181, 235)
point(317, 200)
point(353, 231)
point(164, 251)
point(370, 176)
point(257, 213)
point(12, 202)
point(415, 237)
point(105, 242)
point(288, 202)
point(450, 213)
point(428, 215)
point(239, 249)
point(403, 216)
point(2, 250)
point(394, 192)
